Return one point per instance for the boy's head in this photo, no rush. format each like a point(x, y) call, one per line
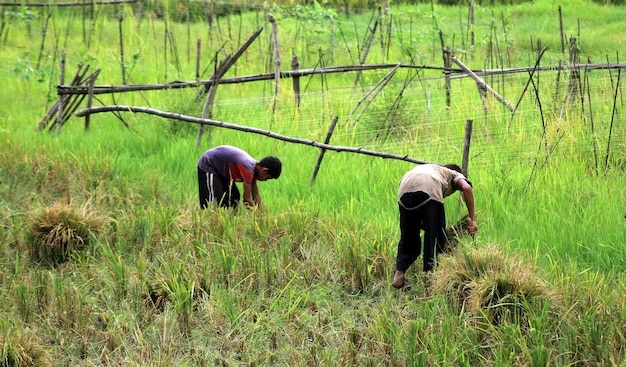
point(273, 165)
point(454, 167)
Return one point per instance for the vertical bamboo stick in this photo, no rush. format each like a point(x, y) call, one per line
point(471, 26)
point(92, 81)
point(198, 48)
point(466, 146)
point(447, 64)
point(121, 33)
point(61, 82)
point(296, 79)
point(276, 61)
point(44, 31)
point(561, 31)
point(329, 134)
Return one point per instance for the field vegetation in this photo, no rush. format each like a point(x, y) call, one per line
point(106, 258)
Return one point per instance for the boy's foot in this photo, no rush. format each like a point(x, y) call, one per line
point(398, 279)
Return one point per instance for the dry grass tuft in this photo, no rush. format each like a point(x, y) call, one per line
point(58, 231)
point(492, 285)
point(455, 232)
point(21, 349)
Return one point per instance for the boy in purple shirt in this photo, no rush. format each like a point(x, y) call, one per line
point(219, 168)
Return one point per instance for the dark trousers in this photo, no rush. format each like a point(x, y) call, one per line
point(430, 217)
point(213, 188)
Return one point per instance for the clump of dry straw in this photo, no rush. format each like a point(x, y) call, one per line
point(58, 231)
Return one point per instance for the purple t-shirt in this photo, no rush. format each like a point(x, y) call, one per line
point(230, 162)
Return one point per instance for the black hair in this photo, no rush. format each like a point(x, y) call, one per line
point(273, 165)
point(455, 167)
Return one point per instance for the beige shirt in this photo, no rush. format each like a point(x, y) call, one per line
point(435, 180)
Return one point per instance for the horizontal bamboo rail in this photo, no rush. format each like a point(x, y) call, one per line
point(197, 120)
point(83, 3)
point(65, 89)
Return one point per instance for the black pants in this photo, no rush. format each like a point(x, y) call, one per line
point(430, 217)
point(213, 188)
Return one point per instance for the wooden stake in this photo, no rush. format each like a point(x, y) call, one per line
point(276, 60)
point(92, 81)
point(61, 82)
point(296, 79)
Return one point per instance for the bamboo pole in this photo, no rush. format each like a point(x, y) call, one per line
point(276, 60)
point(482, 84)
point(530, 78)
point(373, 93)
point(471, 26)
point(366, 49)
point(61, 82)
point(613, 113)
point(198, 52)
point(329, 134)
point(466, 146)
point(81, 89)
point(466, 149)
point(44, 32)
point(446, 59)
point(92, 81)
point(78, 79)
point(65, 4)
point(226, 63)
point(197, 120)
point(121, 34)
point(296, 79)
point(562, 33)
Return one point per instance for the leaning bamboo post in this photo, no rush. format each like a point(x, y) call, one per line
point(55, 107)
point(329, 134)
point(225, 64)
point(366, 50)
point(374, 91)
point(613, 113)
point(296, 79)
point(61, 82)
point(44, 32)
point(207, 110)
point(481, 83)
point(276, 60)
point(530, 79)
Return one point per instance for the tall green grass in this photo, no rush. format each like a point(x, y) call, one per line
point(306, 282)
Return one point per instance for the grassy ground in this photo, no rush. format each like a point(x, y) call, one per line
point(155, 281)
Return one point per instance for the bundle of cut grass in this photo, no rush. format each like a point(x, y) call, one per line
point(58, 231)
point(455, 232)
point(493, 285)
point(22, 349)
